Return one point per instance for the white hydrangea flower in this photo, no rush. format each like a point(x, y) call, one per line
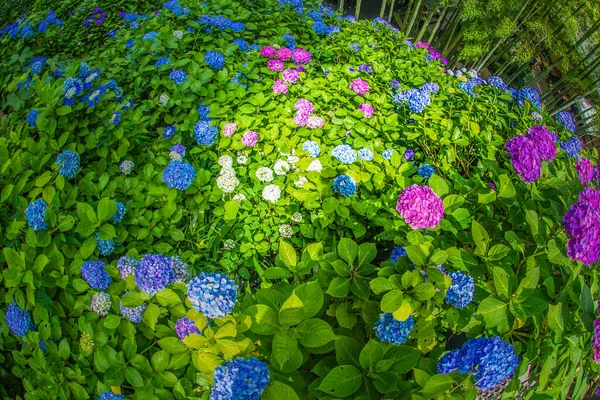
point(301, 181)
point(286, 231)
point(264, 174)
point(297, 217)
point(242, 158)
point(178, 34)
point(315, 165)
point(229, 244)
point(450, 72)
point(225, 161)
point(472, 73)
point(227, 182)
point(163, 99)
point(175, 156)
point(239, 197)
point(281, 167)
point(293, 159)
point(271, 193)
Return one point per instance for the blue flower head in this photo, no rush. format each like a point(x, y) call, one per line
point(37, 64)
point(178, 76)
point(572, 146)
point(121, 210)
point(418, 100)
point(205, 133)
point(169, 131)
point(69, 162)
point(290, 41)
point(127, 266)
point(344, 185)
point(566, 120)
point(320, 28)
point(531, 95)
point(425, 171)
point(312, 148)
point(133, 314)
point(108, 395)
point(365, 154)
point(178, 175)
point(461, 292)
point(344, 153)
point(19, 321)
point(203, 111)
point(497, 82)
point(150, 36)
point(154, 273)
point(387, 154)
point(95, 275)
point(214, 59)
point(106, 247)
point(162, 61)
point(240, 378)
point(32, 118)
point(129, 44)
point(180, 269)
point(212, 294)
point(397, 252)
point(430, 88)
point(36, 213)
point(242, 44)
point(390, 330)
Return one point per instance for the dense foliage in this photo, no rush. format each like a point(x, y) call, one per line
point(243, 200)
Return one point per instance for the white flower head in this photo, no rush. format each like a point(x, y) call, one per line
point(239, 197)
point(227, 182)
point(297, 217)
point(271, 193)
point(163, 99)
point(225, 161)
point(242, 158)
point(286, 231)
point(281, 167)
point(293, 159)
point(178, 34)
point(301, 181)
point(229, 244)
point(264, 174)
point(315, 165)
point(472, 73)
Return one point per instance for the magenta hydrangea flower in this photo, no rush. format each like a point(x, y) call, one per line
point(359, 86)
point(250, 138)
point(304, 107)
point(544, 141)
point(229, 129)
point(279, 87)
point(301, 120)
point(525, 158)
point(275, 65)
point(492, 185)
point(596, 345)
point(268, 51)
point(302, 56)
point(290, 75)
point(581, 225)
point(284, 54)
point(367, 109)
point(420, 207)
point(314, 122)
point(585, 168)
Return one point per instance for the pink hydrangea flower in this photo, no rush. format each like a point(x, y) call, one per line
point(284, 54)
point(268, 51)
point(302, 56)
point(314, 122)
point(359, 86)
point(279, 87)
point(367, 109)
point(304, 107)
point(275, 65)
point(301, 120)
point(229, 129)
point(420, 44)
point(290, 75)
point(585, 168)
point(250, 138)
point(420, 207)
point(492, 185)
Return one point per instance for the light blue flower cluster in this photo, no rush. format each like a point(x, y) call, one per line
point(469, 85)
point(572, 146)
point(69, 162)
point(221, 23)
point(95, 275)
point(239, 379)
point(461, 292)
point(490, 360)
point(121, 210)
point(417, 99)
point(178, 76)
point(32, 118)
point(185, 326)
point(387, 154)
point(566, 120)
point(531, 95)
point(241, 43)
point(72, 88)
point(497, 82)
point(106, 247)
point(150, 36)
point(175, 8)
point(162, 61)
point(203, 111)
point(425, 171)
point(365, 154)
point(430, 88)
point(108, 395)
point(178, 175)
point(212, 294)
point(169, 131)
point(154, 273)
point(127, 266)
point(36, 214)
point(344, 153)
point(133, 314)
point(397, 252)
point(37, 64)
point(390, 330)
point(205, 134)
point(344, 185)
point(100, 303)
point(312, 148)
point(19, 321)
point(214, 59)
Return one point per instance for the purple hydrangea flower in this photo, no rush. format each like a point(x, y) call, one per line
point(420, 207)
point(566, 120)
point(290, 75)
point(585, 169)
point(367, 109)
point(359, 86)
point(525, 157)
point(581, 225)
point(95, 275)
point(275, 65)
point(409, 154)
point(154, 273)
point(280, 87)
point(544, 142)
point(268, 51)
point(133, 314)
point(185, 326)
point(127, 266)
point(250, 138)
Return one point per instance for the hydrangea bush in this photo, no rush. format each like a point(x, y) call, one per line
point(268, 200)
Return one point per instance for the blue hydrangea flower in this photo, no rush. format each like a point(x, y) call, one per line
point(390, 330)
point(100, 303)
point(178, 76)
point(115, 118)
point(214, 59)
point(205, 133)
point(320, 28)
point(387, 154)
point(365, 154)
point(242, 44)
point(121, 210)
point(344, 185)
point(572, 146)
point(490, 360)
point(69, 162)
point(150, 36)
point(179, 149)
point(162, 61)
point(418, 100)
point(425, 171)
point(106, 247)
point(129, 44)
point(254, 46)
point(36, 213)
point(566, 120)
point(469, 85)
point(19, 321)
point(462, 290)
point(180, 269)
point(32, 118)
point(127, 266)
point(430, 88)
point(531, 95)
point(185, 327)
point(27, 32)
point(290, 41)
point(397, 252)
point(240, 379)
point(212, 294)
point(95, 96)
point(133, 314)
point(95, 275)
point(344, 153)
point(312, 148)
point(169, 131)
point(497, 82)
point(42, 346)
point(154, 273)
point(203, 111)
point(108, 395)
point(178, 175)
point(42, 26)
point(37, 64)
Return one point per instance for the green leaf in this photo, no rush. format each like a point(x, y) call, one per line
point(160, 361)
point(231, 210)
point(107, 231)
point(264, 319)
point(527, 284)
point(507, 189)
point(437, 384)
point(418, 254)
point(311, 295)
point(366, 253)
point(107, 208)
point(14, 259)
point(438, 257)
point(391, 300)
point(347, 350)
point(167, 297)
point(347, 250)
point(292, 311)
point(284, 347)
point(345, 318)
point(403, 312)
point(480, 235)
point(423, 291)
point(380, 285)
point(287, 254)
point(314, 333)
point(339, 287)
point(279, 391)
point(88, 247)
point(151, 315)
point(132, 299)
point(134, 377)
point(501, 282)
point(493, 311)
point(439, 185)
point(498, 252)
point(64, 350)
point(86, 212)
point(555, 319)
point(341, 381)
point(371, 354)
point(112, 321)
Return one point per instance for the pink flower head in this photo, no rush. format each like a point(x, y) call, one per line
point(444, 61)
point(304, 107)
point(275, 65)
point(422, 44)
point(435, 54)
point(279, 87)
point(301, 120)
point(585, 168)
point(290, 75)
point(314, 122)
point(229, 129)
point(492, 185)
point(525, 157)
point(543, 140)
point(268, 51)
point(284, 54)
point(367, 109)
point(250, 138)
point(359, 86)
point(302, 56)
point(420, 207)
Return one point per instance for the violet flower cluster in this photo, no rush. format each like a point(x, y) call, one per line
point(420, 207)
point(582, 227)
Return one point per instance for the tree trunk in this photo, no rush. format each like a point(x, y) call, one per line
point(382, 11)
point(426, 24)
point(357, 13)
point(413, 17)
point(437, 25)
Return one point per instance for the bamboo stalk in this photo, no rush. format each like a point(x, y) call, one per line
point(569, 103)
point(389, 18)
point(455, 26)
point(357, 13)
point(413, 17)
point(437, 25)
point(426, 24)
point(411, 4)
point(341, 6)
point(382, 11)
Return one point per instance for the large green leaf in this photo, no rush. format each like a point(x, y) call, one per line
point(342, 381)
